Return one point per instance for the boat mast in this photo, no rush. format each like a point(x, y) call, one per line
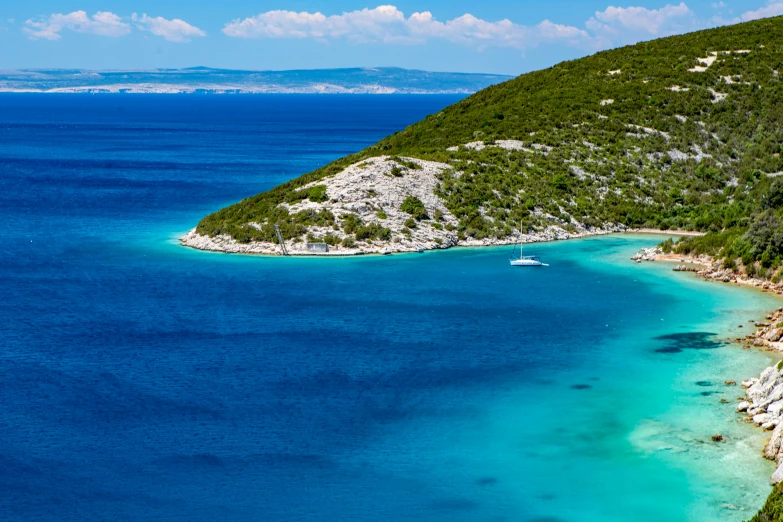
point(520, 240)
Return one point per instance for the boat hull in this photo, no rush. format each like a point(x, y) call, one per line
point(526, 262)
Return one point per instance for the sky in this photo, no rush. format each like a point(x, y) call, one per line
point(490, 36)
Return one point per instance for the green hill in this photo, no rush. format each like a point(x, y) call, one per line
point(681, 132)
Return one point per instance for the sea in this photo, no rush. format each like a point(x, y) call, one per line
point(141, 380)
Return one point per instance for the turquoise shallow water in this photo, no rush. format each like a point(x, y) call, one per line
point(615, 417)
point(144, 381)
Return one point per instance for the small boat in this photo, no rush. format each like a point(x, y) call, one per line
point(523, 260)
point(526, 261)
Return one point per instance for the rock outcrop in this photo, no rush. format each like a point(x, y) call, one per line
point(647, 254)
point(764, 406)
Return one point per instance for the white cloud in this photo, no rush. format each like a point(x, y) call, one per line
point(175, 30)
point(11, 20)
point(388, 24)
point(101, 23)
point(633, 23)
point(773, 9)
point(717, 5)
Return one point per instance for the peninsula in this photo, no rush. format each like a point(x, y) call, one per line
point(677, 133)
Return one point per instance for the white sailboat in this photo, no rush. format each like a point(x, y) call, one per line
point(524, 260)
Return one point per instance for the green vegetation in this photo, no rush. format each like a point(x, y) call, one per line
point(752, 238)
point(373, 231)
point(414, 207)
point(316, 193)
point(406, 163)
point(331, 240)
point(351, 223)
point(667, 152)
point(773, 509)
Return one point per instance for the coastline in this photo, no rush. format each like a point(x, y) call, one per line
point(763, 401)
point(227, 245)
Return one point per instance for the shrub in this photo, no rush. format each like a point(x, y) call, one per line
point(415, 207)
point(406, 163)
point(349, 242)
point(381, 214)
point(373, 231)
point(317, 193)
point(331, 240)
point(410, 223)
point(765, 234)
point(350, 223)
point(773, 509)
point(397, 172)
point(560, 182)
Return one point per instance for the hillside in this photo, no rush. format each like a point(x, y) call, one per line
point(382, 80)
point(682, 132)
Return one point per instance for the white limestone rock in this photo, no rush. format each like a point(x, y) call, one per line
point(775, 408)
point(762, 418)
point(777, 476)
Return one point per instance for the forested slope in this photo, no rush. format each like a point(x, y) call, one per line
point(681, 132)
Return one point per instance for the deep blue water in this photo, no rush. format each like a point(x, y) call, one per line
point(143, 380)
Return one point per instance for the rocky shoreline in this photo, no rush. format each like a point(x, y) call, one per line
point(707, 268)
point(763, 401)
point(228, 245)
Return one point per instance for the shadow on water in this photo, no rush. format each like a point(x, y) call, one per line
point(581, 387)
point(679, 342)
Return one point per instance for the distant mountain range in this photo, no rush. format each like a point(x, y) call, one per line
point(382, 80)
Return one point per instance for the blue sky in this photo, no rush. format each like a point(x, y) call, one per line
point(509, 37)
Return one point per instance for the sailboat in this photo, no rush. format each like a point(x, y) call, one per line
point(524, 260)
